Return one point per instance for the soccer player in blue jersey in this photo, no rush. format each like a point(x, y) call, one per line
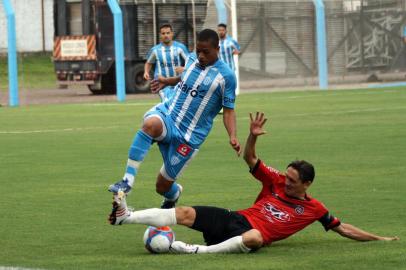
point(228, 46)
point(181, 124)
point(169, 58)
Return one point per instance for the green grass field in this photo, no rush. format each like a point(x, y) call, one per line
point(35, 71)
point(57, 161)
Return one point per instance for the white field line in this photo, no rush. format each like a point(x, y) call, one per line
point(17, 268)
point(55, 130)
point(119, 104)
point(339, 93)
point(329, 113)
point(215, 120)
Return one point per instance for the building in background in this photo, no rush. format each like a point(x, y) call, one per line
point(34, 25)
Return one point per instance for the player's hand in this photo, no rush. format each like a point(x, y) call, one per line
point(146, 76)
point(257, 124)
point(157, 84)
point(235, 144)
point(179, 69)
point(395, 238)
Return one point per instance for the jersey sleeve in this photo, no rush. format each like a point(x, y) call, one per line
point(329, 221)
point(190, 59)
point(267, 175)
point(229, 91)
point(236, 45)
point(184, 52)
point(151, 56)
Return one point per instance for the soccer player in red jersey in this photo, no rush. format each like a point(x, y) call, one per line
point(281, 209)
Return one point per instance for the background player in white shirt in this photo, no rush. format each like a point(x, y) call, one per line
point(169, 58)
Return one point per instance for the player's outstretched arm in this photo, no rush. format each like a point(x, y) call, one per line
point(256, 130)
point(231, 127)
point(352, 232)
point(160, 82)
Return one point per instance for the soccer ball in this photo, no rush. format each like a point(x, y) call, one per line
point(158, 240)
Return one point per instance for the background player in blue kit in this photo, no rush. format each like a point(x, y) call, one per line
point(181, 124)
point(228, 46)
point(169, 58)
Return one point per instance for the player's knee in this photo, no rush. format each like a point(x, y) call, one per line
point(252, 239)
point(153, 127)
point(185, 215)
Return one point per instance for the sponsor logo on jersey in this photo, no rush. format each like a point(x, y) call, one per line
point(193, 92)
point(229, 100)
point(184, 149)
point(272, 213)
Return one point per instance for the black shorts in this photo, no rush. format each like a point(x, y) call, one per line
point(219, 224)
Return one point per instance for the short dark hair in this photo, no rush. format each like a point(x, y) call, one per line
point(305, 170)
point(166, 25)
point(222, 25)
point(208, 35)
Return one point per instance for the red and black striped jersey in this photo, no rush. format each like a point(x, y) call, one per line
point(278, 216)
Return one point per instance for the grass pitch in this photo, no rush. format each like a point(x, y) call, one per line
point(57, 161)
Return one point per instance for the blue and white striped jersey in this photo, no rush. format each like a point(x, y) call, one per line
point(227, 47)
point(199, 97)
point(166, 58)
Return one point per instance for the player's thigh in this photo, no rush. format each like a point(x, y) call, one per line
point(212, 222)
point(176, 156)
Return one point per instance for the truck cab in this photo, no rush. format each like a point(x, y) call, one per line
point(84, 39)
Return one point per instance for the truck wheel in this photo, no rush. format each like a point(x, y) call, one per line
point(135, 82)
point(106, 84)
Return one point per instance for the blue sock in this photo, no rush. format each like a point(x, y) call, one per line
point(173, 193)
point(139, 148)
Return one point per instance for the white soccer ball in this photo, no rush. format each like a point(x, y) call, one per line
point(158, 240)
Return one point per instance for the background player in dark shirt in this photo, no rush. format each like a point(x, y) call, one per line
point(281, 209)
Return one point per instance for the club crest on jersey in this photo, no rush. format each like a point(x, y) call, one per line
point(184, 149)
point(299, 210)
point(175, 160)
point(207, 81)
point(272, 213)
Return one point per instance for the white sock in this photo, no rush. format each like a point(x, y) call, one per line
point(154, 216)
point(232, 245)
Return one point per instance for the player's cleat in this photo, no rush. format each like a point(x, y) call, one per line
point(119, 211)
point(180, 247)
point(120, 185)
point(168, 204)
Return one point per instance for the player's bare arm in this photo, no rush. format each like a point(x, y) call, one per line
point(231, 127)
point(352, 232)
point(161, 82)
point(256, 129)
point(147, 70)
point(179, 69)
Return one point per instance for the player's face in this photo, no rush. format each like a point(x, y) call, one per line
point(294, 187)
point(222, 32)
point(166, 35)
point(206, 53)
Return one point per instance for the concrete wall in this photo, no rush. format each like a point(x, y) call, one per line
point(29, 25)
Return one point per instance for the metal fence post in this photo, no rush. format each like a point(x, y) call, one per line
point(321, 44)
point(12, 55)
point(119, 48)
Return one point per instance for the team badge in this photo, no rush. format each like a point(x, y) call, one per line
point(175, 160)
point(299, 210)
point(184, 149)
point(207, 81)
